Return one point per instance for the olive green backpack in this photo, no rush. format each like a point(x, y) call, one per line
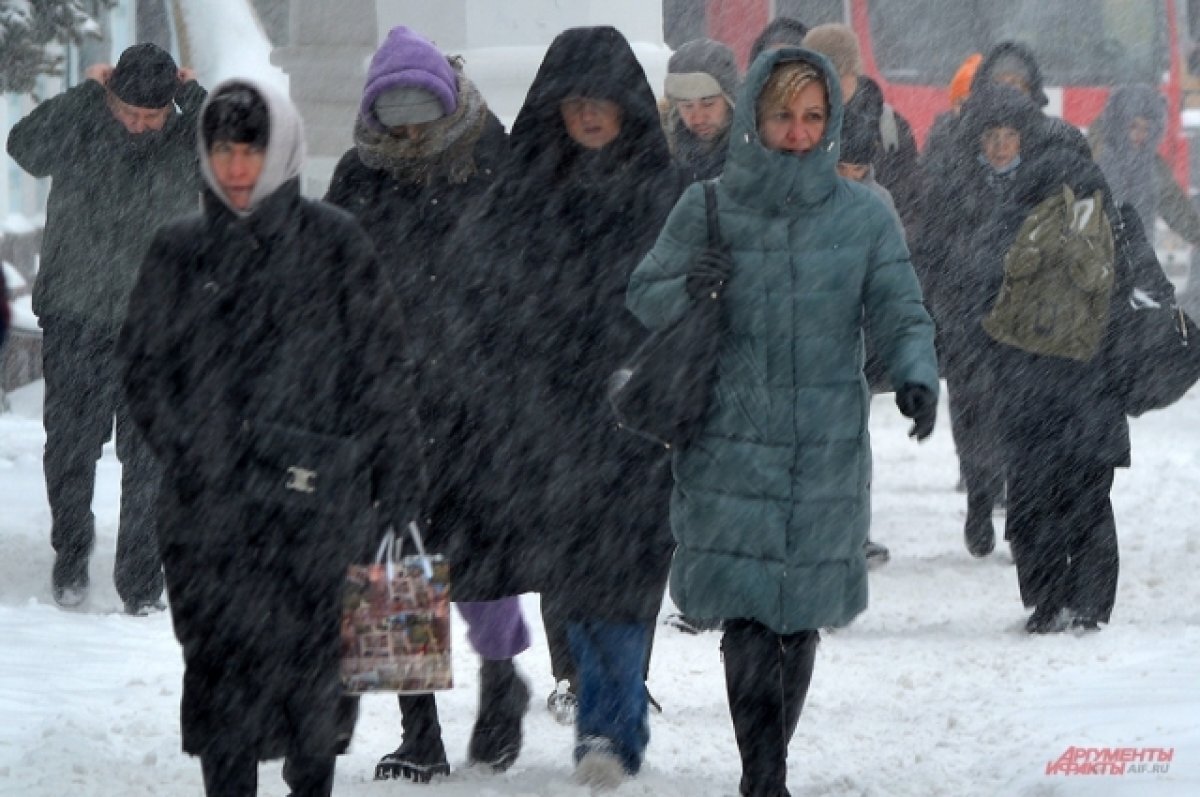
point(1058, 277)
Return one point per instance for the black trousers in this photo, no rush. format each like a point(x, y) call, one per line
point(234, 773)
point(767, 676)
point(82, 397)
point(1063, 535)
point(972, 387)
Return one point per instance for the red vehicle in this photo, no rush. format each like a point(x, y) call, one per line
point(913, 47)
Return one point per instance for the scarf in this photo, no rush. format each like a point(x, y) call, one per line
point(445, 149)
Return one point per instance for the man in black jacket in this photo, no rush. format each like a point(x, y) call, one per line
point(120, 148)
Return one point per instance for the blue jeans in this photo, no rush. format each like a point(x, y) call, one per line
point(610, 663)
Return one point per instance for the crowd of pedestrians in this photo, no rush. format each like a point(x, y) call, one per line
point(438, 333)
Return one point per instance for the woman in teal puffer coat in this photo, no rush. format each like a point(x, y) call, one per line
point(771, 504)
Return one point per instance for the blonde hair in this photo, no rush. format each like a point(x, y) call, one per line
point(787, 80)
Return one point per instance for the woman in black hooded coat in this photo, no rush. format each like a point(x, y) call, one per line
point(580, 506)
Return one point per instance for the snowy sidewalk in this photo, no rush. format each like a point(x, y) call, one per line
point(934, 691)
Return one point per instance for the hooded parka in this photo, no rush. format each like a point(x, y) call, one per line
point(771, 505)
point(579, 506)
point(276, 317)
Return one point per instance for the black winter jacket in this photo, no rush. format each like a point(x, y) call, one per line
point(1064, 408)
point(898, 168)
point(411, 223)
point(110, 193)
point(281, 317)
point(580, 506)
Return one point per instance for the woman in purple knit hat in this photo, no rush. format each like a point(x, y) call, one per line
point(425, 146)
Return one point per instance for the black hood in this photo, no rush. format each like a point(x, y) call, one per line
point(1007, 52)
point(594, 62)
point(999, 106)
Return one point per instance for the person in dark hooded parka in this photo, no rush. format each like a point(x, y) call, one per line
point(1125, 140)
point(1063, 423)
point(263, 360)
point(580, 505)
point(771, 504)
point(426, 147)
point(997, 127)
point(1014, 64)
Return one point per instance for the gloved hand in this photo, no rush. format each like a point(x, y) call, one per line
point(709, 273)
point(919, 403)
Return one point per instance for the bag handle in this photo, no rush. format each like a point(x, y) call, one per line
point(710, 213)
point(388, 552)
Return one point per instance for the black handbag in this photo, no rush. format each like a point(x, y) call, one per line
point(663, 392)
point(1162, 355)
point(1157, 345)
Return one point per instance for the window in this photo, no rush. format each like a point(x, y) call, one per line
point(683, 20)
point(1075, 41)
point(812, 12)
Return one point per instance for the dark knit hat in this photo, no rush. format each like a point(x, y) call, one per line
point(781, 30)
point(146, 77)
point(702, 68)
point(998, 105)
point(409, 60)
point(236, 114)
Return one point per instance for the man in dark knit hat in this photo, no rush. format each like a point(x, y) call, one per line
point(120, 148)
point(702, 80)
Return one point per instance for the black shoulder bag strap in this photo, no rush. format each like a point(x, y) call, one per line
point(710, 211)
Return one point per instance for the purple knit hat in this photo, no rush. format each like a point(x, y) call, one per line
point(408, 59)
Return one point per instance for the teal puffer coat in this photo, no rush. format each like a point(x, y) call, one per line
point(771, 506)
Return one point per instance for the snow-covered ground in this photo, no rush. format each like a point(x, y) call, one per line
point(935, 690)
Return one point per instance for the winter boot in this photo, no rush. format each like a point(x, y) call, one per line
point(877, 555)
point(503, 701)
point(70, 578)
point(598, 764)
point(979, 533)
point(691, 625)
point(766, 678)
point(1047, 619)
point(421, 754)
point(563, 704)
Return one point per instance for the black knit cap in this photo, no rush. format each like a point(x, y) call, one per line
point(781, 30)
point(145, 77)
point(236, 114)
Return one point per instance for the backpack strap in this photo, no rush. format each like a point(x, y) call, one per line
point(710, 213)
point(889, 129)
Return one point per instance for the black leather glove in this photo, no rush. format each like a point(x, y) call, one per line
point(919, 403)
point(710, 271)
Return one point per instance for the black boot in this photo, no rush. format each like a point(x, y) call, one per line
point(503, 701)
point(421, 754)
point(766, 678)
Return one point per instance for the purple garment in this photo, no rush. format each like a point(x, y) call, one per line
point(408, 59)
point(496, 629)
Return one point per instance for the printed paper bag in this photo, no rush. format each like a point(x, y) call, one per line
point(396, 622)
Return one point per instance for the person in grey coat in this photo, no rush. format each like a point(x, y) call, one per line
point(120, 148)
